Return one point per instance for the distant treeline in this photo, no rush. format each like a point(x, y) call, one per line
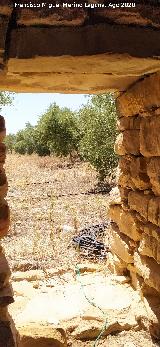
point(89, 132)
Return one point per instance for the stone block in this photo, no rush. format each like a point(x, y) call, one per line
point(123, 172)
point(4, 218)
point(129, 123)
point(148, 269)
point(119, 145)
point(2, 129)
point(2, 123)
point(138, 164)
point(37, 335)
point(5, 272)
point(153, 171)
point(139, 284)
point(83, 41)
point(152, 230)
point(150, 247)
point(137, 15)
point(134, 178)
point(146, 205)
point(157, 111)
point(3, 31)
point(114, 196)
point(141, 98)
point(126, 221)
point(3, 190)
point(124, 164)
point(115, 264)
point(149, 136)
point(30, 276)
point(136, 280)
point(128, 143)
point(4, 313)
point(139, 202)
point(6, 295)
point(124, 194)
point(3, 183)
point(64, 73)
point(48, 15)
point(138, 171)
point(118, 195)
point(153, 211)
point(6, 334)
point(61, 81)
point(150, 243)
point(93, 65)
point(2, 153)
point(119, 244)
point(6, 7)
point(2, 135)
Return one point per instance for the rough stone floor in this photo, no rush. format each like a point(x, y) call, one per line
point(56, 309)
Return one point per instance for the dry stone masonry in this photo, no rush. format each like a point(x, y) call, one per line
point(135, 233)
point(6, 293)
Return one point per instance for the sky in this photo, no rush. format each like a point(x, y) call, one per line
point(28, 107)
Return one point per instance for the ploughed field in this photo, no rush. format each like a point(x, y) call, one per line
point(50, 200)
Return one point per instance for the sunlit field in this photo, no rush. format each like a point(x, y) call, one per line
point(50, 201)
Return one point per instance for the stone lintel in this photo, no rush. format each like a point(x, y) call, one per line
point(87, 40)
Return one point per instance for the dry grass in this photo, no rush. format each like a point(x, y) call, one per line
point(44, 195)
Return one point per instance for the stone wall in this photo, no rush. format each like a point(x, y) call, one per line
point(6, 295)
point(135, 231)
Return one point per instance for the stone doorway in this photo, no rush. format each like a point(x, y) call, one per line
point(29, 62)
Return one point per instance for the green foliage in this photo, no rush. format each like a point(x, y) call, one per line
point(41, 146)
point(98, 129)
point(91, 133)
point(57, 131)
point(6, 98)
point(25, 140)
point(10, 142)
point(20, 147)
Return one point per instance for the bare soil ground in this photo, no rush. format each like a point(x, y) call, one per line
point(44, 195)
